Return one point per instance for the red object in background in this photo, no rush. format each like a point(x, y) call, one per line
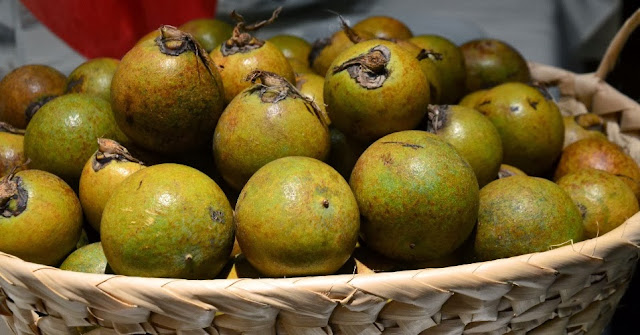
point(109, 28)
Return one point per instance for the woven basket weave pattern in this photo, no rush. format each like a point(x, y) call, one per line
point(572, 289)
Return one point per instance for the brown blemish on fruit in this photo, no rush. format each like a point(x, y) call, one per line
point(533, 104)
point(73, 83)
point(485, 102)
point(387, 159)
point(33, 107)
point(216, 216)
point(241, 41)
point(139, 185)
point(325, 203)
point(514, 108)
point(369, 69)
point(13, 196)
point(583, 210)
point(430, 54)
point(404, 144)
point(412, 246)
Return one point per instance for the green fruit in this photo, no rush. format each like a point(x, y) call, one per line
point(530, 126)
point(62, 135)
point(24, 90)
point(88, 259)
point(450, 65)
point(41, 217)
point(11, 149)
point(472, 134)
point(292, 47)
point(266, 122)
point(418, 197)
point(208, 32)
point(490, 62)
point(105, 170)
point(384, 27)
point(521, 214)
point(93, 77)
point(375, 88)
point(604, 200)
point(167, 94)
point(297, 216)
point(167, 220)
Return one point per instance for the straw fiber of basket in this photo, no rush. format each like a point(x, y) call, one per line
point(572, 289)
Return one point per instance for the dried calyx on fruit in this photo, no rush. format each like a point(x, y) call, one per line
point(174, 42)
point(13, 196)
point(109, 150)
point(273, 88)
point(369, 69)
point(241, 40)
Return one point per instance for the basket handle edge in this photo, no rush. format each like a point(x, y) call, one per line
point(617, 43)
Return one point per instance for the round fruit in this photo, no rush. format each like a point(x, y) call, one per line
point(472, 99)
point(582, 126)
point(105, 170)
point(521, 214)
point(167, 94)
point(265, 122)
point(11, 148)
point(243, 53)
point(62, 135)
point(418, 197)
point(292, 47)
point(530, 126)
point(24, 90)
point(450, 65)
point(604, 200)
point(88, 259)
point(208, 32)
point(297, 216)
point(599, 154)
point(472, 134)
point(375, 88)
point(384, 27)
point(300, 67)
point(490, 62)
point(40, 217)
point(167, 220)
point(428, 66)
point(507, 170)
point(93, 77)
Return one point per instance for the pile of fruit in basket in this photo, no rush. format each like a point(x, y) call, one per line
point(206, 152)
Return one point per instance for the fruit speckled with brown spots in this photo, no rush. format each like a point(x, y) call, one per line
point(40, 217)
point(418, 197)
point(93, 77)
point(88, 259)
point(167, 220)
point(522, 214)
point(491, 62)
point(167, 94)
point(297, 216)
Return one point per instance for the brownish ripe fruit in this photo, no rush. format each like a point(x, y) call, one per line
point(604, 200)
point(418, 197)
point(243, 53)
point(375, 88)
point(265, 122)
point(522, 214)
point(384, 27)
point(491, 62)
point(109, 166)
point(599, 154)
point(24, 90)
point(297, 216)
point(11, 149)
point(93, 77)
point(208, 32)
point(41, 217)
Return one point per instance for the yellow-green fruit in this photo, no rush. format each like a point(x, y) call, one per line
point(297, 216)
point(428, 67)
point(384, 27)
point(167, 220)
point(62, 135)
point(100, 176)
point(522, 214)
point(300, 67)
point(472, 99)
point(450, 65)
point(235, 67)
point(11, 149)
point(418, 197)
point(530, 126)
point(257, 127)
point(208, 32)
point(375, 88)
point(88, 259)
point(604, 200)
point(473, 136)
point(93, 77)
point(324, 51)
point(292, 47)
point(507, 170)
point(41, 219)
point(578, 127)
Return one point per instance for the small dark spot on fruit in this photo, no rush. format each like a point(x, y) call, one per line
point(387, 159)
point(188, 258)
point(405, 144)
point(216, 216)
point(533, 104)
point(325, 203)
point(514, 108)
point(129, 119)
point(139, 185)
point(583, 210)
point(412, 245)
point(486, 102)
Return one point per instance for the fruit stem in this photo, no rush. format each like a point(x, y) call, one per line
point(351, 34)
point(7, 128)
point(109, 150)
point(240, 37)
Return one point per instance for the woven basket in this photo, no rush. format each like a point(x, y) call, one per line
point(572, 289)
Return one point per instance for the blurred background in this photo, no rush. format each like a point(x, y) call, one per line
point(572, 34)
